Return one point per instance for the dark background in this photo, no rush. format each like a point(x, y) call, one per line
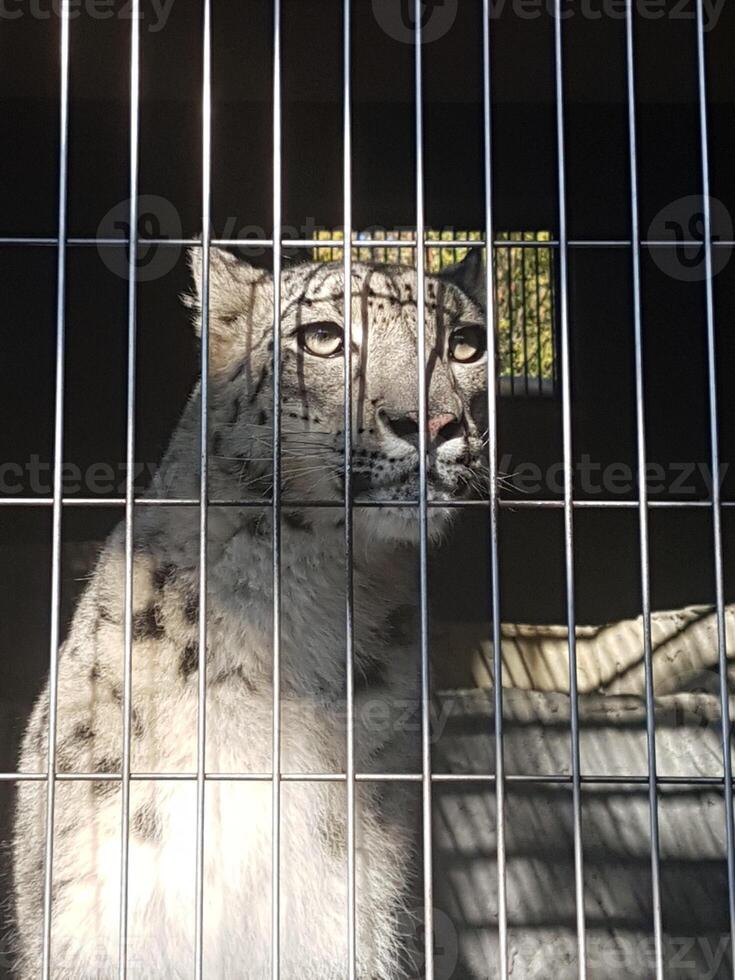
point(525, 197)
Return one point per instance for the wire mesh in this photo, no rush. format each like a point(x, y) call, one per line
point(522, 270)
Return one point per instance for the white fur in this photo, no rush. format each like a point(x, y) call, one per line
point(238, 814)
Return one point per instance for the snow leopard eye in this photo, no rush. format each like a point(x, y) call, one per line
point(322, 339)
point(467, 344)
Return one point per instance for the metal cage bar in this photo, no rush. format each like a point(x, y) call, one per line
point(426, 789)
point(206, 190)
point(591, 779)
point(643, 495)
point(63, 188)
point(129, 489)
point(715, 458)
point(246, 243)
point(276, 732)
point(510, 504)
point(566, 398)
point(348, 537)
point(492, 413)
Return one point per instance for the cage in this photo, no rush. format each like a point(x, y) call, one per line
point(571, 637)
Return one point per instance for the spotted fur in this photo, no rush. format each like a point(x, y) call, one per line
point(239, 656)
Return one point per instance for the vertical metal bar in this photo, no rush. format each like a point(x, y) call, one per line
point(492, 415)
point(571, 615)
point(715, 457)
point(276, 732)
point(643, 496)
point(349, 585)
point(423, 506)
point(58, 486)
point(129, 486)
point(203, 482)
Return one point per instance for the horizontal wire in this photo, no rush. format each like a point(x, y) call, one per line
point(365, 777)
point(266, 503)
point(367, 243)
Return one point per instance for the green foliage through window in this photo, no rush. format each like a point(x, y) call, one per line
point(523, 301)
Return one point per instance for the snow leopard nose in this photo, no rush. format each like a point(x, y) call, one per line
point(440, 427)
point(443, 427)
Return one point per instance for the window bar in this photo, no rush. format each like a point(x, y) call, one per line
point(571, 615)
point(523, 312)
point(276, 733)
point(538, 317)
point(492, 421)
point(494, 298)
point(509, 279)
point(129, 489)
point(349, 585)
point(58, 486)
point(643, 497)
point(423, 508)
point(203, 484)
point(553, 317)
point(716, 487)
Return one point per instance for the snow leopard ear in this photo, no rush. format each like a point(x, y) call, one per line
point(236, 290)
point(469, 275)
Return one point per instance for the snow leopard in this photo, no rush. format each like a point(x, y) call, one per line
point(237, 824)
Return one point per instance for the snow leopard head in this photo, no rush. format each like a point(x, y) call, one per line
point(385, 398)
